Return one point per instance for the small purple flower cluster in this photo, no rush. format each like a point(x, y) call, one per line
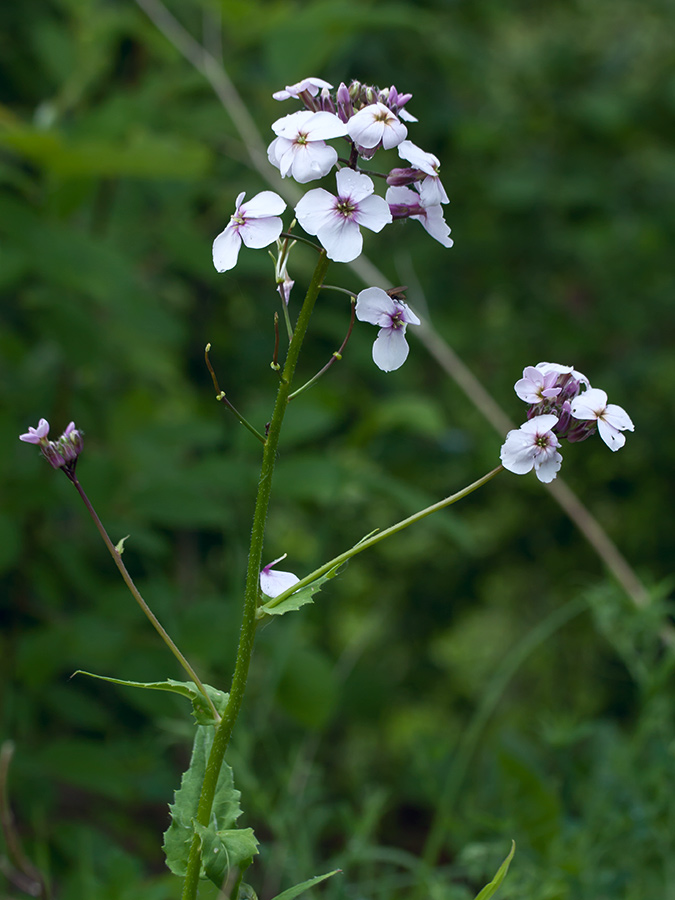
point(561, 404)
point(61, 453)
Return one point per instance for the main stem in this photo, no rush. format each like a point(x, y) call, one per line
point(223, 733)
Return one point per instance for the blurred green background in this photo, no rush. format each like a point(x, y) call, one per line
point(479, 678)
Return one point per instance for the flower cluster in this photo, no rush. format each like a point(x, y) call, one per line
point(61, 453)
point(561, 404)
point(365, 119)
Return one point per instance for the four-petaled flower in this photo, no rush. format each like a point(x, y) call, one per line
point(536, 386)
point(37, 435)
point(611, 419)
point(431, 189)
point(255, 223)
point(376, 306)
point(336, 220)
point(533, 446)
point(274, 583)
point(300, 150)
point(375, 124)
point(310, 86)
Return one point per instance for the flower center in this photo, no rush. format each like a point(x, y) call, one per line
point(345, 207)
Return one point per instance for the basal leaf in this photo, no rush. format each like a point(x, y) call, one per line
point(225, 850)
point(491, 888)
point(226, 808)
point(200, 708)
point(293, 892)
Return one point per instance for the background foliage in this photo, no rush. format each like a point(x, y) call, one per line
point(482, 672)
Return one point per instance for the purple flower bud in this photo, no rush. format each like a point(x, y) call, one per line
point(345, 109)
point(327, 104)
point(402, 177)
point(405, 210)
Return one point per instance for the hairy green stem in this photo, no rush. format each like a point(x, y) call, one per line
point(223, 733)
point(159, 628)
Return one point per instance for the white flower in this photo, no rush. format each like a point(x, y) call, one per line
point(390, 349)
point(611, 419)
point(300, 150)
point(312, 86)
point(533, 446)
point(431, 189)
point(336, 220)
point(375, 124)
point(274, 583)
point(256, 223)
point(431, 217)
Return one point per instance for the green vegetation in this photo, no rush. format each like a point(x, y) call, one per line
point(478, 679)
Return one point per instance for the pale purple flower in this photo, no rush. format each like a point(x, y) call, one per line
point(310, 86)
point(533, 446)
point(37, 435)
point(300, 150)
point(274, 583)
point(336, 220)
point(431, 189)
point(405, 204)
point(390, 349)
point(611, 419)
point(254, 223)
point(374, 125)
point(537, 386)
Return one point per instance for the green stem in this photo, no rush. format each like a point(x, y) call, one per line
point(220, 396)
point(376, 538)
point(335, 356)
point(159, 628)
point(223, 733)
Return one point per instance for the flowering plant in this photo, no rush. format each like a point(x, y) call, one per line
point(203, 840)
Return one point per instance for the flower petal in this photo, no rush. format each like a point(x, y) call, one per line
point(266, 203)
point(226, 249)
point(390, 349)
point(375, 306)
point(260, 232)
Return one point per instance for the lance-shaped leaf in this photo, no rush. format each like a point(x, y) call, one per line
point(293, 892)
point(200, 708)
point(491, 888)
point(226, 810)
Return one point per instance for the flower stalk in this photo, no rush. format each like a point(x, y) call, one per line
point(224, 729)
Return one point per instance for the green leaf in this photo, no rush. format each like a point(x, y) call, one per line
point(200, 708)
point(301, 597)
point(224, 850)
point(491, 888)
point(226, 810)
point(293, 892)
